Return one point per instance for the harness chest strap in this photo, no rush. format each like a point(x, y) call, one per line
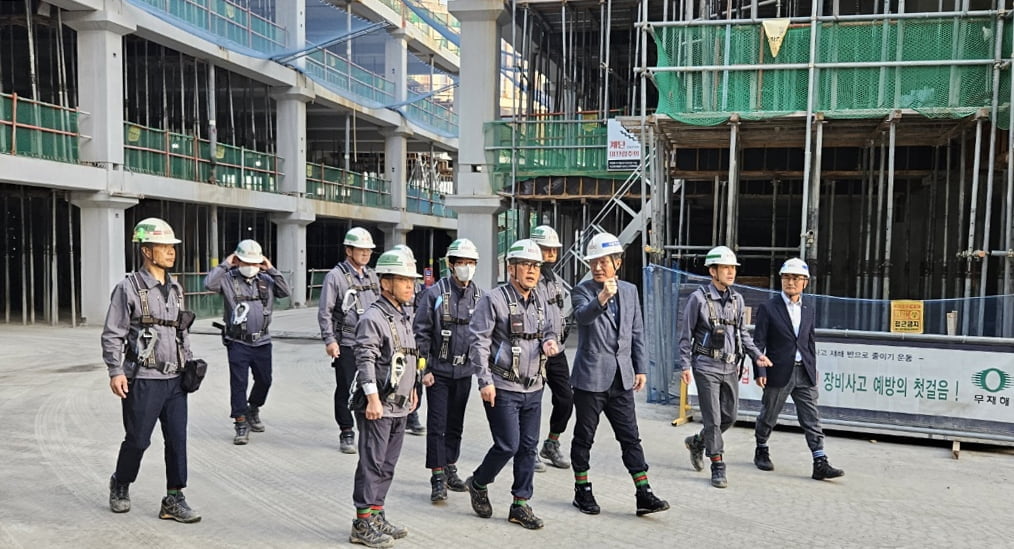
point(338, 313)
point(240, 297)
point(713, 352)
point(514, 374)
point(447, 319)
point(145, 356)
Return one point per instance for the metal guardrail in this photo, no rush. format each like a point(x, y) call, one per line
point(229, 19)
point(332, 184)
point(39, 130)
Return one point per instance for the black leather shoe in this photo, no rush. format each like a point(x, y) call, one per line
point(480, 499)
point(438, 490)
point(762, 459)
point(648, 502)
point(822, 470)
point(584, 500)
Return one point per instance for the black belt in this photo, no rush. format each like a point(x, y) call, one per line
point(527, 382)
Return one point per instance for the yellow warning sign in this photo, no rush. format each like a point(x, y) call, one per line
point(906, 316)
point(775, 30)
point(133, 134)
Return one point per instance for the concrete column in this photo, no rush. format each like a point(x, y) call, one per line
point(100, 83)
point(396, 164)
point(396, 63)
point(291, 142)
point(291, 15)
point(474, 201)
point(103, 263)
point(396, 234)
point(291, 250)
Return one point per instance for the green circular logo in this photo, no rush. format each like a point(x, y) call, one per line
point(993, 380)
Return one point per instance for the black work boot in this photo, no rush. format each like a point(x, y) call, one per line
point(718, 479)
point(253, 417)
point(381, 524)
point(523, 515)
point(175, 507)
point(452, 480)
point(822, 470)
point(439, 488)
point(119, 495)
point(347, 442)
point(413, 426)
point(480, 499)
point(648, 502)
point(365, 532)
point(762, 459)
point(584, 500)
point(242, 433)
point(551, 452)
point(696, 447)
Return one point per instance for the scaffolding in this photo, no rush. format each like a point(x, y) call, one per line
point(870, 145)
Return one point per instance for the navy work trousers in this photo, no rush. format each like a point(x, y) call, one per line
point(245, 360)
point(514, 423)
point(445, 419)
point(558, 379)
point(344, 371)
point(150, 400)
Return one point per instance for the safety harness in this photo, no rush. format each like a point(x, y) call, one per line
point(399, 364)
point(238, 326)
point(143, 353)
point(517, 334)
point(351, 299)
point(718, 353)
point(446, 319)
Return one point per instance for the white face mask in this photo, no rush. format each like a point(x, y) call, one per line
point(249, 271)
point(464, 273)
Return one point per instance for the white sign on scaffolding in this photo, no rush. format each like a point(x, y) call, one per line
point(623, 151)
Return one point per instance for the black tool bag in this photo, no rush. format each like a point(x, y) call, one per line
point(193, 374)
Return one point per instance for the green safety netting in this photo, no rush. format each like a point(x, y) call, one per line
point(945, 90)
point(43, 130)
point(332, 184)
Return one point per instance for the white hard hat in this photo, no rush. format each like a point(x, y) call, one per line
point(464, 248)
point(720, 255)
point(795, 266)
point(405, 250)
point(546, 236)
point(358, 237)
point(603, 244)
point(396, 262)
point(525, 250)
point(154, 231)
point(249, 251)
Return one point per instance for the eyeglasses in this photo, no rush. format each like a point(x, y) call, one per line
point(793, 278)
point(529, 264)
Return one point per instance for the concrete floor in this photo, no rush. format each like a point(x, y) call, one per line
point(290, 487)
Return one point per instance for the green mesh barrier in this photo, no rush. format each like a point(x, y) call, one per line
point(942, 91)
point(39, 130)
point(332, 184)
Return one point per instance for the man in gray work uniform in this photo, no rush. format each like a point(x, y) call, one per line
point(144, 320)
point(348, 290)
point(511, 339)
point(713, 343)
point(249, 284)
point(384, 395)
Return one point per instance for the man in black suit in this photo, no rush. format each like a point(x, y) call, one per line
point(784, 330)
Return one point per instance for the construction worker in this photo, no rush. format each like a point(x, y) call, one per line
point(609, 366)
point(784, 330)
point(147, 319)
point(414, 427)
point(441, 333)
point(557, 369)
point(511, 337)
point(249, 284)
point(713, 344)
point(348, 289)
point(384, 394)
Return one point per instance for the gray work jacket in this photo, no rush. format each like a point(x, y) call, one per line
point(123, 325)
point(449, 306)
point(696, 327)
point(490, 340)
point(555, 296)
point(377, 343)
point(345, 295)
point(267, 285)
